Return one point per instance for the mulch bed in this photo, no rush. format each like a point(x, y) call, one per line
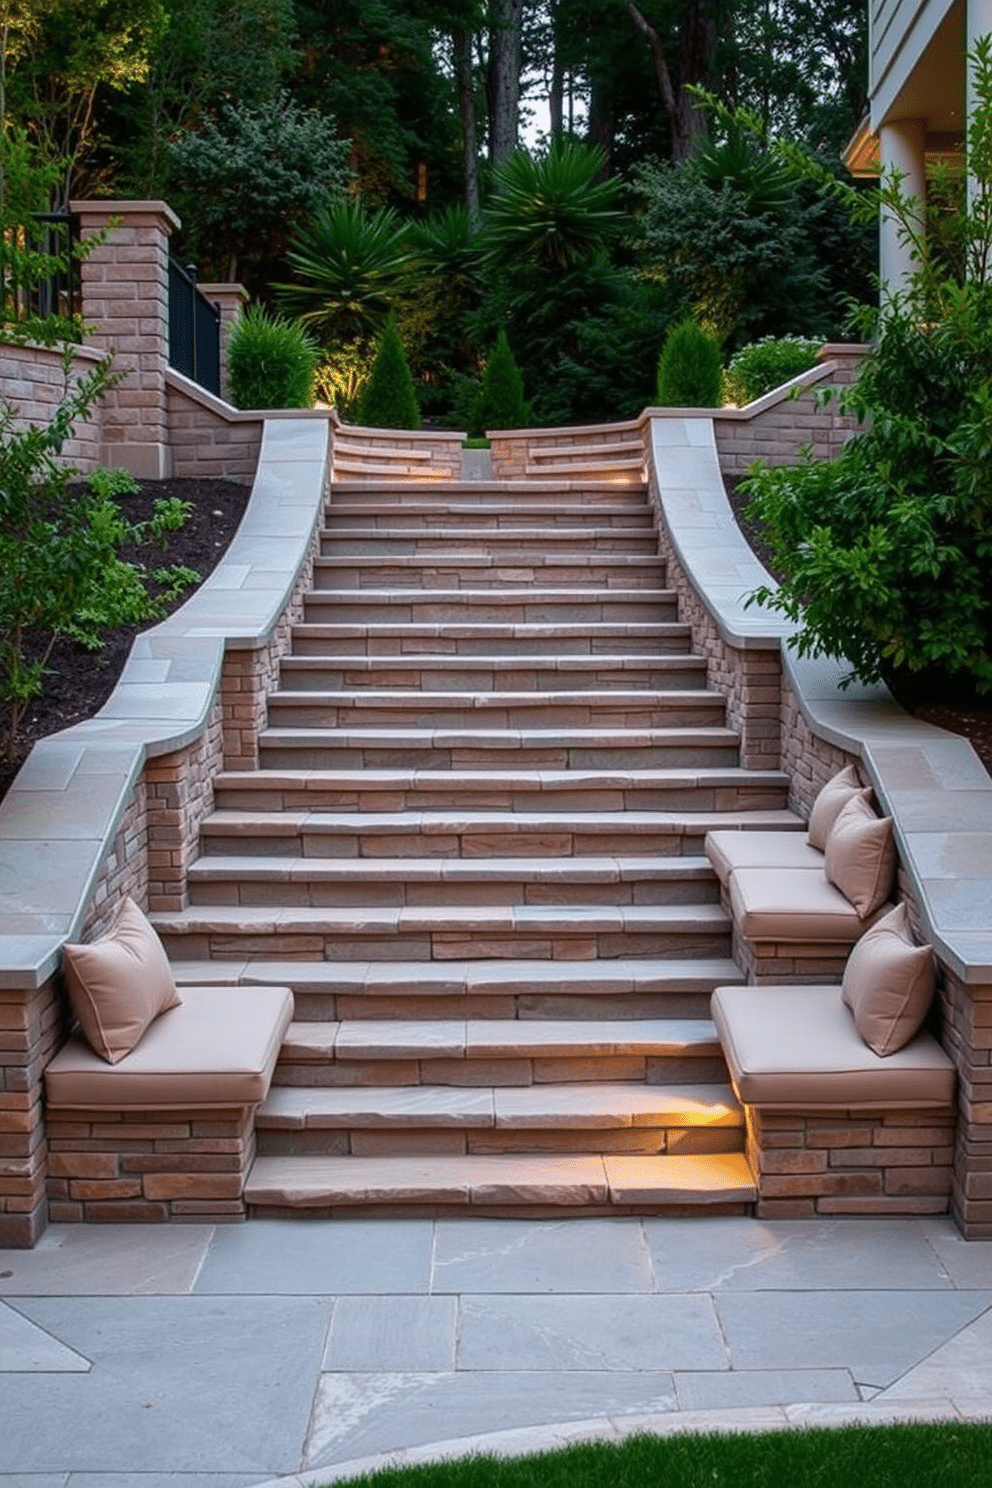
point(81, 681)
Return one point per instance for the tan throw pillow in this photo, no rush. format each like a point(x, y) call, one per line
point(888, 983)
point(829, 803)
point(119, 984)
point(860, 855)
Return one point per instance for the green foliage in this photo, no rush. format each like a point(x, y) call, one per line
point(388, 400)
point(767, 364)
point(500, 403)
point(551, 210)
point(253, 174)
point(271, 362)
point(690, 368)
point(351, 264)
point(886, 550)
point(751, 247)
point(60, 566)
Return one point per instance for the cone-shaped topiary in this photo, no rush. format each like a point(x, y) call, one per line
point(388, 400)
point(500, 401)
point(690, 370)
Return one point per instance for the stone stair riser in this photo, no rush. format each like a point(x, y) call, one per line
point(331, 748)
point(331, 1074)
point(205, 889)
point(481, 641)
point(681, 1142)
point(436, 576)
point(582, 799)
point(424, 517)
point(433, 675)
point(650, 606)
point(675, 838)
point(501, 544)
point(498, 710)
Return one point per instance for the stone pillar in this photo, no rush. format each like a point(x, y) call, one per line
point(902, 143)
point(230, 300)
point(125, 294)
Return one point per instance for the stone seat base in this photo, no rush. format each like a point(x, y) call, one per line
point(169, 1131)
point(833, 1128)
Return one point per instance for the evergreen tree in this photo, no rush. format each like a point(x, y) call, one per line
point(388, 399)
point(500, 403)
point(690, 371)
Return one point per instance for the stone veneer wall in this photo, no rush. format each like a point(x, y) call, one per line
point(34, 382)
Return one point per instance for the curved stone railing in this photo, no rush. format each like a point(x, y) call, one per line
point(113, 804)
point(793, 710)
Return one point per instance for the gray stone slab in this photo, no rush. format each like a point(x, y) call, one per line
point(34, 1480)
point(356, 1415)
point(27, 1349)
point(573, 1255)
point(323, 1257)
point(383, 1334)
point(620, 1333)
point(731, 1389)
point(752, 1255)
point(878, 1336)
point(177, 1385)
point(959, 1370)
point(968, 1263)
point(152, 1480)
point(106, 1260)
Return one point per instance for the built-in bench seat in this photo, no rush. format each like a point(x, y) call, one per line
point(833, 1127)
point(167, 1131)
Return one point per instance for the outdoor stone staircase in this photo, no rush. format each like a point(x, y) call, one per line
point(474, 850)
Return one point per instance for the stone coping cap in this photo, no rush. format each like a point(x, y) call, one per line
point(930, 781)
point(76, 785)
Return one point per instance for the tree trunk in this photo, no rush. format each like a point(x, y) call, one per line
point(556, 90)
point(696, 47)
point(504, 77)
point(461, 45)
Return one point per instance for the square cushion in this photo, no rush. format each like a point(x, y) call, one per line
point(888, 983)
point(832, 798)
point(791, 904)
point(860, 855)
point(795, 1048)
point(217, 1049)
point(729, 851)
point(119, 983)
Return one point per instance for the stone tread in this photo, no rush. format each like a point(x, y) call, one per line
point(502, 1038)
point(391, 697)
point(512, 663)
point(487, 534)
point(452, 780)
point(385, 920)
point(554, 1179)
point(601, 1106)
point(619, 977)
point(473, 559)
point(482, 491)
point(467, 823)
point(447, 736)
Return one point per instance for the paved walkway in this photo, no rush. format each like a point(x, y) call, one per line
point(224, 1357)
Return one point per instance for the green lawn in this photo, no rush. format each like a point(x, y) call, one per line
point(914, 1456)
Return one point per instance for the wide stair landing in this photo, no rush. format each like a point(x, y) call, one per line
point(474, 849)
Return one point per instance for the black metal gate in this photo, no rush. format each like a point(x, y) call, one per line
point(30, 294)
point(194, 329)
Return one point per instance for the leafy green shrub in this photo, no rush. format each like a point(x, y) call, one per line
point(61, 570)
point(766, 364)
point(388, 400)
point(271, 362)
point(690, 369)
point(500, 401)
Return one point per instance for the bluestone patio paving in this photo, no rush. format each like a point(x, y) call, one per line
point(230, 1356)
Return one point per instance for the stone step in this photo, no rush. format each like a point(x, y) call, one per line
point(561, 708)
point(427, 513)
point(492, 639)
point(461, 570)
point(534, 606)
point(497, 543)
point(559, 933)
point(524, 991)
point(612, 467)
point(480, 674)
point(451, 748)
point(484, 493)
point(503, 1184)
point(575, 790)
point(505, 1053)
point(241, 879)
point(608, 1117)
point(475, 834)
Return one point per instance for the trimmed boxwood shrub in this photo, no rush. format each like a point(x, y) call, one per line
point(271, 362)
point(500, 401)
point(690, 370)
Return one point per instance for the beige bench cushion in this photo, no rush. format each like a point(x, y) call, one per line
point(794, 905)
point(218, 1048)
point(729, 851)
point(797, 1049)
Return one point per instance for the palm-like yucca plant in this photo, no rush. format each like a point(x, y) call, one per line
point(551, 210)
point(351, 264)
point(448, 244)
